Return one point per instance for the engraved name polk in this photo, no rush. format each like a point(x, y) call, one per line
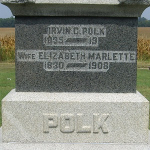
point(69, 123)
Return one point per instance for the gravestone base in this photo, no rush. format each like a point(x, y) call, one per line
point(69, 146)
point(76, 146)
point(91, 120)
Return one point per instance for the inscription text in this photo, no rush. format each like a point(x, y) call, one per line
point(74, 123)
point(76, 60)
point(73, 35)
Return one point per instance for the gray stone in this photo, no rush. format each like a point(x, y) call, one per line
point(75, 118)
point(0, 135)
point(71, 146)
point(109, 71)
point(75, 77)
point(111, 8)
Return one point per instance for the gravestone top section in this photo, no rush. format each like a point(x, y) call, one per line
point(105, 8)
point(92, 49)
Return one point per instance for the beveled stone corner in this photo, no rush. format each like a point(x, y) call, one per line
point(103, 8)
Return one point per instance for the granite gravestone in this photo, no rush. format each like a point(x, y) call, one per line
point(76, 54)
point(75, 76)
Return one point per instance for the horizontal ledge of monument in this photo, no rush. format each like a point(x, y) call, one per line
point(108, 2)
point(58, 9)
point(75, 97)
point(77, 146)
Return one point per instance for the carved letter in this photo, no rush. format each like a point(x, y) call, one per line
point(80, 127)
point(67, 123)
point(99, 122)
point(49, 121)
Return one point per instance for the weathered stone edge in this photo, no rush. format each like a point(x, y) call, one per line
point(75, 97)
point(65, 146)
point(116, 8)
point(100, 2)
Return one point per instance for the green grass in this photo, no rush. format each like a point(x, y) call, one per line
point(143, 64)
point(7, 80)
point(143, 82)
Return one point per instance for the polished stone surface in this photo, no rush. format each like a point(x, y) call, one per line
point(111, 70)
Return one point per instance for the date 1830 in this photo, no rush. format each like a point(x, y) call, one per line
point(64, 66)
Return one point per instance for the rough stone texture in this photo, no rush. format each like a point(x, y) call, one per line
point(70, 146)
point(83, 146)
point(121, 35)
point(114, 8)
point(108, 2)
point(57, 117)
point(45, 120)
point(0, 135)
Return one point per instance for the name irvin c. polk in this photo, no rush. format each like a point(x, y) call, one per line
point(73, 35)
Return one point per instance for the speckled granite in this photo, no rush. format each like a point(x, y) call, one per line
point(75, 77)
point(75, 118)
point(75, 146)
point(70, 146)
point(113, 8)
point(121, 36)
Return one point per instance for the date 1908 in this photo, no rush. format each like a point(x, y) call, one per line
point(60, 66)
